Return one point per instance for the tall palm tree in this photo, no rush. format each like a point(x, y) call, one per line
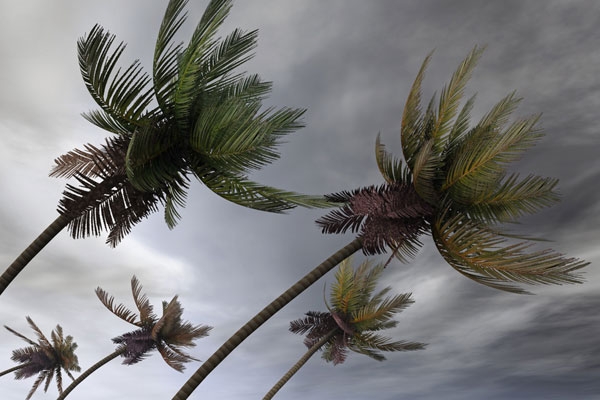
point(352, 320)
point(45, 358)
point(195, 116)
point(453, 184)
point(167, 334)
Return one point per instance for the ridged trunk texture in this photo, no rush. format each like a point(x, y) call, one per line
point(32, 250)
point(298, 365)
point(88, 372)
point(266, 313)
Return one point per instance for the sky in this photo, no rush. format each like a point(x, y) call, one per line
point(351, 64)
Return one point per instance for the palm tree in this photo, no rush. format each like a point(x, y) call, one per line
point(195, 116)
point(453, 184)
point(353, 318)
point(44, 358)
point(167, 334)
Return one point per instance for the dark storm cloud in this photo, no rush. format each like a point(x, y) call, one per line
point(351, 63)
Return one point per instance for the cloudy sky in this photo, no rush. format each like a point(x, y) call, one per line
point(351, 64)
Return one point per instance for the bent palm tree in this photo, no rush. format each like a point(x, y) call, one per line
point(353, 317)
point(455, 186)
point(207, 122)
point(45, 358)
point(167, 334)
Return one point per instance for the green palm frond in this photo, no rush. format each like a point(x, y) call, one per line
point(483, 155)
point(451, 96)
point(344, 291)
point(486, 257)
point(371, 345)
point(190, 61)
point(234, 135)
point(412, 134)
point(512, 198)
point(165, 67)
point(379, 311)
point(124, 98)
point(242, 191)
point(392, 169)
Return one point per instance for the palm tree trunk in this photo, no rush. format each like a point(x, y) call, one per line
point(298, 365)
point(266, 313)
point(88, 371)
point(18, 367)
point(32, 250)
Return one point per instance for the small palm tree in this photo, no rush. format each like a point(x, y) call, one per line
point(45, 358)
point(353, 318)
point(454, 184)
point(167, 334)
point(195, 116)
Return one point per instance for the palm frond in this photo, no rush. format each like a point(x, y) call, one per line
point(512, 198)
point(371, 344)
point(174, 359)
point(451, 95)
point(120, 310)
point(123, 98)
point(482, 155)
point(313, 320)
point(392, 215)
point(142, 302)
point(240, 190)
point(480, 254)
point(411, 128)
point(165, 67)
point(189, 62)
point(391, 168)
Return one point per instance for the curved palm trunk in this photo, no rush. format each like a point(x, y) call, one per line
point(18, 367)
point(298, 365)
point(266, 313)
point(88, 371)
point(32, 250)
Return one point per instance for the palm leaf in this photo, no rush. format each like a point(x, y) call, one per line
point(120, 310)
point(124, 98)
point(391, 168)
point(142, 302)
point(451, 95)
point(165, 68)
point(411, 127)
point(190, 69)
point(480, 254)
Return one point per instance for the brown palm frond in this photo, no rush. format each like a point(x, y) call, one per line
point(142, 302)
point(390, 215)
point(120, 310)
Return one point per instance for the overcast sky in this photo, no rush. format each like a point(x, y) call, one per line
point(351, 63)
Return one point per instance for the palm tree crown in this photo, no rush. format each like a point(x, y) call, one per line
point(167, 334)
point(354, 315)
point(454, 183)
point(46, 358)
point(194, 116)
point(354, 319)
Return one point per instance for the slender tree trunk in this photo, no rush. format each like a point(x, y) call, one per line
point(266, 313)
point(32, 250)
point(18, 367)
point(298, 365)
point(88, 371)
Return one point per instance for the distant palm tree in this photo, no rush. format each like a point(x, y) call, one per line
point(355, 314)
point(454, 185)
point(206, 122)
point(44, 358)
point(167, 334)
